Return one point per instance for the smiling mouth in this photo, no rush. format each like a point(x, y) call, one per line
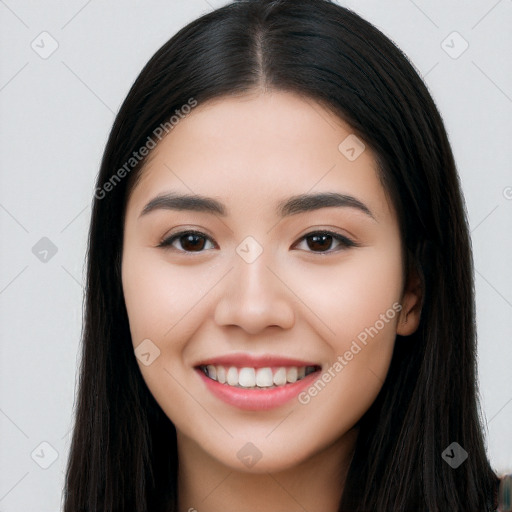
point(257, 378)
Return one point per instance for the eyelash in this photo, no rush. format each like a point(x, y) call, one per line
point(345, 242)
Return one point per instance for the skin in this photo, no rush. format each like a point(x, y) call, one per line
point(295, 300)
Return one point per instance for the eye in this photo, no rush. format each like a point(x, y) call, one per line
point(190, 241)
point(321, 241)
point(316, 241)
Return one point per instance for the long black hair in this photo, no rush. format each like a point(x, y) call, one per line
point(123, 453)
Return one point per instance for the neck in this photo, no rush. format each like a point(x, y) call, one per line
point(205, 484)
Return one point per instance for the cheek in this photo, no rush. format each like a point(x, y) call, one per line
point(358, 305)
point(359, 302)
point(162, 302)
point(160, 296)
point(351, 296)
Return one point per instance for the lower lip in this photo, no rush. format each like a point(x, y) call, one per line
point(257, 399)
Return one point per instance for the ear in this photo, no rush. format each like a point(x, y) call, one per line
point(412, 298)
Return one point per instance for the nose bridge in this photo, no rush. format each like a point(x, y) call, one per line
point(254, 297)
point(254, 280)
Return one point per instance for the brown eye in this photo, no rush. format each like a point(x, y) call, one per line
point(317, 242)
point(321, 241)
point(190, 241)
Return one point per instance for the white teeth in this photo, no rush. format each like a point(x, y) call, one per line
point(212, 371)
point(247, 377)
point(291, 374)
point(232, 376)
point(221, 374)
point(264, 377)
point(280, 377)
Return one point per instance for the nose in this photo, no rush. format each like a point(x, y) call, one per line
point(255, 296)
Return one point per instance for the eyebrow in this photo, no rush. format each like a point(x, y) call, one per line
point(291, 206)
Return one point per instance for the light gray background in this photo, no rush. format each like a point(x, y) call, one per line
point(56, 113)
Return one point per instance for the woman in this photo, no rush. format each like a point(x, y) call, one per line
point(280, 306)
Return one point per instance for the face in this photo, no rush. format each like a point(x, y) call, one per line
point(263, 316)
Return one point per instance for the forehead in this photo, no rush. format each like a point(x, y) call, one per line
point(252, 150)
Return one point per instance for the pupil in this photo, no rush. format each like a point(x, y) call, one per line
point(319, 242)
point(191, 242)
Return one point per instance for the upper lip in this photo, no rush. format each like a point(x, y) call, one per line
point(253, 361)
